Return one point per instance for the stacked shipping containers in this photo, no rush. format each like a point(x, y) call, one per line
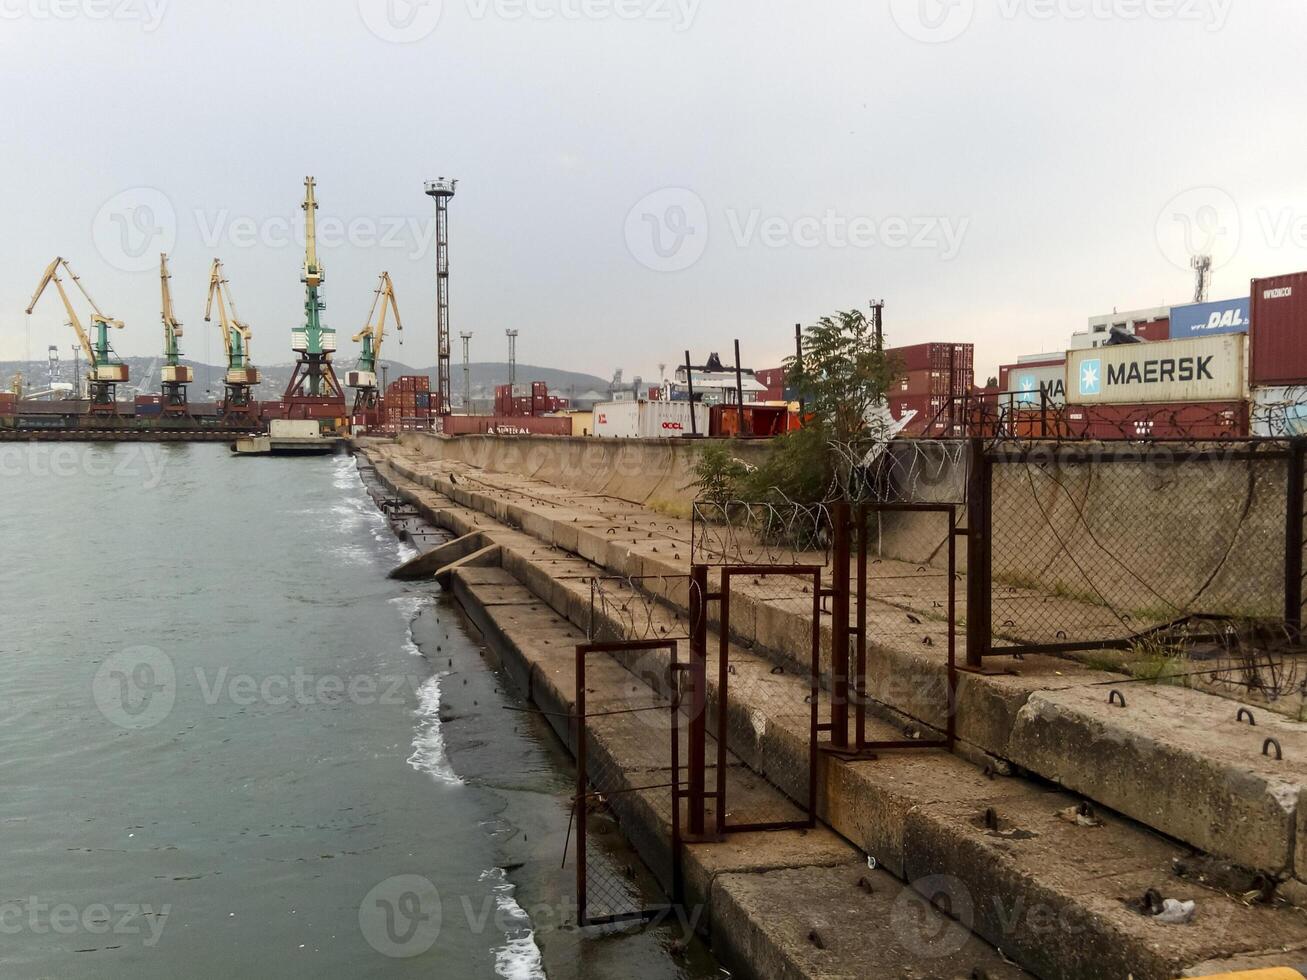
point(407, 404)
point(1278, 338)
point(515, 402)
point(931, 375)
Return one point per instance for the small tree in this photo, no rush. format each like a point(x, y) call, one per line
point(843, 377)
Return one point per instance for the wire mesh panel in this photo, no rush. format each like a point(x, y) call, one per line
point(643, 607)
point(1089, 548)
point(915, 606)
point(767, 715)
point(629, 727)
point(737, 532)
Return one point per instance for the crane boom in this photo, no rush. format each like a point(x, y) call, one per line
point(236, 333)
point(374, 333)
point(172, 327)
point(98, 352)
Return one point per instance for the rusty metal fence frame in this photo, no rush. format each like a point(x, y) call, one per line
point(809, 806)
point(983, 456)
point(584, 793)
point(839, 727)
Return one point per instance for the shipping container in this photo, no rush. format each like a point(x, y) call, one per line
point(927, 415)
point(1208, 369)
point(1030, 386)
point(294, 428)
point(1154, 331)
point(1005, 371)
point(959, 358)
point(1279, 413)
point(1207, 420)
point(466, 425)
point(760, 421)
point(1279, 331)
point(649, 420)
point(1210, 319)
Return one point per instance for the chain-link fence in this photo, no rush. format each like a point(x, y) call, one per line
point(629, 736)
point(1097, 547)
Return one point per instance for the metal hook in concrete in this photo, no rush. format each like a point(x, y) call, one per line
point(1114, 697)
point(1266, 749)
point(1244, 713)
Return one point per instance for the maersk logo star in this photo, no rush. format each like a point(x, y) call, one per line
point(1091, 378)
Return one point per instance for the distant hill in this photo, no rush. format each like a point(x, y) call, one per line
point(484, 376)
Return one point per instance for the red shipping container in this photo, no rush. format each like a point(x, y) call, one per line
point(1279, 331)
point(464, 425)
point(1193, 420)
point(1154, 330)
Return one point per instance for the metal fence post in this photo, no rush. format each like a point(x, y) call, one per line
point(979, 555)
point(839, 695)
point(698, 695)
point(1293, 539)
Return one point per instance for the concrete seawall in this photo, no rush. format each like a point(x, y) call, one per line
point(657, 473)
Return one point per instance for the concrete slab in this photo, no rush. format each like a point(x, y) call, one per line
point(843, 923)
point(1173, 761)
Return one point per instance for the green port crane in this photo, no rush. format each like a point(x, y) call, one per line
point(364, 377)
point(106, 370)
point(313, 385)
point(174, 376)
point(241, 376)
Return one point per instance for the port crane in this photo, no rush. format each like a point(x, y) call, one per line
point(313, 390)
point(364, 377)
point(241, 376)
point(174, 376)
point(105, 371)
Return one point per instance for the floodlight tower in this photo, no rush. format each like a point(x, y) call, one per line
point(512, 358)
point(465, 336)
point(442, 189)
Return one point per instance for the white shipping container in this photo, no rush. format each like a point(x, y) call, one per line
point(648, 420)
point(1205, 369)
point(1279, 413)
point(294, 428)
point(1025, 384)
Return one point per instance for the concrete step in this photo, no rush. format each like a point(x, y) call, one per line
point(794, 904)
point(1190, 776)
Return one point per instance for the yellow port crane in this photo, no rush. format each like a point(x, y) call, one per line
point(174, 376)
point(241, 375)
point(364, 377)
point(106, 371)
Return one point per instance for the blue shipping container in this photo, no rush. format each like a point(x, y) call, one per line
point(1206, 319)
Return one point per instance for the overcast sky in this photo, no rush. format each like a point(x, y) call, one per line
point(642, 176)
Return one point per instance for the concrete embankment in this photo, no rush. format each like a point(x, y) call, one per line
point(1054, 894)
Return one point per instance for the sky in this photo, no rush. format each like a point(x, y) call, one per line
point(639, 177)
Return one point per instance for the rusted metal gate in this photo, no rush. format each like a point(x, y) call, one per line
point(925, 586)
point(635, 777)
point(775, 788)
